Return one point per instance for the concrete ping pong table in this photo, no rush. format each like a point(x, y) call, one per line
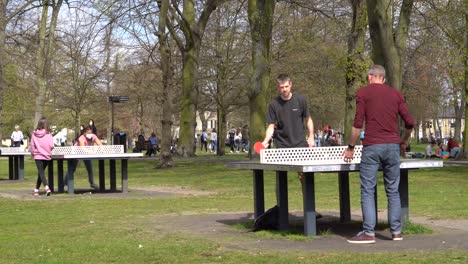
point(320, 160)
point(100, 153)
point(15, 162)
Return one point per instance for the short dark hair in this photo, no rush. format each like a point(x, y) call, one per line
point(87, 128)
point(282, 78)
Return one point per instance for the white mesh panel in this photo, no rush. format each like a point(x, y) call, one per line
point(83, 150)
point(12, 150)
point(308, 156)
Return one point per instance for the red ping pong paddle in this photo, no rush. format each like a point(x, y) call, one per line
point(258, 146)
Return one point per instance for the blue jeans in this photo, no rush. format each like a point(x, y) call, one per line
point(386, 156)
point(454, 152)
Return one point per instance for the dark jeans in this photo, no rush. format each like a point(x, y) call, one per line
point(89, 168)
point(204, 143)
point(41, 165)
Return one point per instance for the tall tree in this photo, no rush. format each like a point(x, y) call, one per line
point(193, 29)
point(356, 62)
point(226, 64)
point(465, 83)
point(452, 19)
point(5, 18)
point(44, 53)
point(389, 43)
point(260, 14)
point(167, 78)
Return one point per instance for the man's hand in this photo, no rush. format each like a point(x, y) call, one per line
point(311, 142)
point(348, 154)
point(265, 144)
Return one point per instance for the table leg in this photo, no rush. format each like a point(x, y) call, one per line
point(21, 168)
point(282, 199)
point(310, 223)
point(16, 167)
point(124, 168)
point(376, 202)
point(113, 184)
point(71, 187)
point(60, 176)
point(50, 169)
point(345, 204)
point(259, 193)
point(404, 197)
point(11, 171)
point(102, 176)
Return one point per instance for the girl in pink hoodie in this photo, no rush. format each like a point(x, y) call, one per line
point(42, 144)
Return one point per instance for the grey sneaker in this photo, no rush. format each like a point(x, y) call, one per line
point(362, 238)
point(397, 237)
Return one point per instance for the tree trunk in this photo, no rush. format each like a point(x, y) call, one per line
point(187, 114)
point(3, 57)
point(4, 19)
point(260, 13)
point(108, 79)
point(388, 46)
point(39, 80)
point(166, 159)
point(193, 32)
point(356, 64)
point(44, 53)
point(222, 132)
point(465, 84)
point(221, 108)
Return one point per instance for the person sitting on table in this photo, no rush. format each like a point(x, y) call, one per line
point(86, 139)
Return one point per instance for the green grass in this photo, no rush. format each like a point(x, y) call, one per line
point(411, 228)
point(119, 229)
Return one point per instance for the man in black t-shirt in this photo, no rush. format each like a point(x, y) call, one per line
point(287, 118)
point(288, 114)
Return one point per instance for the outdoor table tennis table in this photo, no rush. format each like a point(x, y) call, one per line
point(15, 162)
point(100, 153)
point(341, 169)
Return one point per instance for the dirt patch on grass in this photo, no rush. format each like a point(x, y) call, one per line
point(223, 228)
point(134, 192)
point(178, 190)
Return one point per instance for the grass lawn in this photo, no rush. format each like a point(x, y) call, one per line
point(118, 230)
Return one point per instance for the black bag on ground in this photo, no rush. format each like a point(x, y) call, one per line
point(268, 220)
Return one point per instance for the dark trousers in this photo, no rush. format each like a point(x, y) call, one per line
point(89, 169)
point(41, 165)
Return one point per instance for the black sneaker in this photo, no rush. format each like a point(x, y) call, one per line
point(362, 238)
point(94, 186)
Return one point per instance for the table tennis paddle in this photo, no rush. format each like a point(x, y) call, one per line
point(258, 146)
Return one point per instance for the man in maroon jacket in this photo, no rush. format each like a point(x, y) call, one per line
point(379, 105)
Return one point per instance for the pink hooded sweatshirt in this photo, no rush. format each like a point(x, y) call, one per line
point(42, 144)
